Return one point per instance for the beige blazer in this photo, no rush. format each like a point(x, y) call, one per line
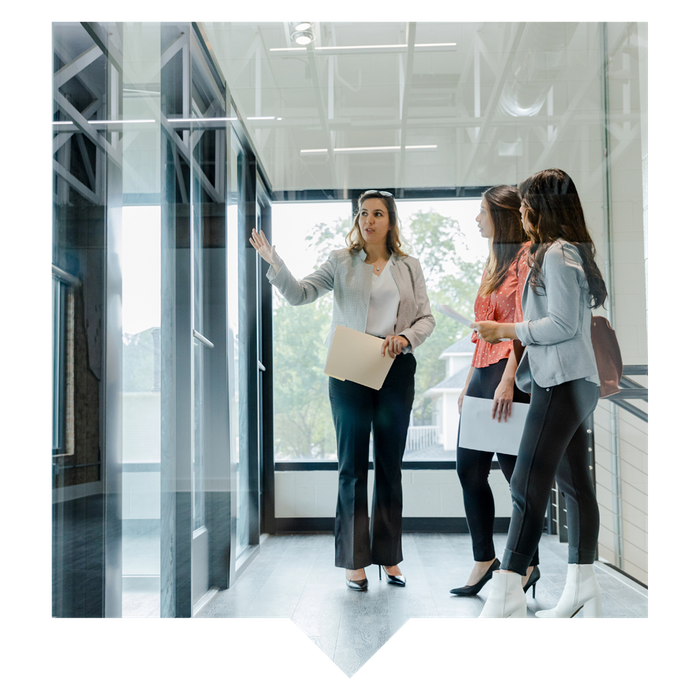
point(350, 280)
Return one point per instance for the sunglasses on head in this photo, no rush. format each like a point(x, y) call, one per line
point(381, 192)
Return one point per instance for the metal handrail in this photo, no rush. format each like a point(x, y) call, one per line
point(629, 389)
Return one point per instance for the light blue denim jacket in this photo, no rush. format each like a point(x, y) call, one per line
point(350, 280)
point(556, 330)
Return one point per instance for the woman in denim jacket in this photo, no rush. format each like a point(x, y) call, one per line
point(558, 369)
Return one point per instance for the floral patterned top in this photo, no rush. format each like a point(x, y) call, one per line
point(504, 306)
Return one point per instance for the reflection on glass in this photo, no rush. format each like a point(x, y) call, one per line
point(198, 442)
point(234, 365)
point(59, 365)
point(141, 411)
point(234, 264)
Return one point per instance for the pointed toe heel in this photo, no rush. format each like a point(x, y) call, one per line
point(360, 585)
point(473, 590)
point(392, 580)
point(532, 581)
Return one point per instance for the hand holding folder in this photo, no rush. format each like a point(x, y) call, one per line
point(357, 357)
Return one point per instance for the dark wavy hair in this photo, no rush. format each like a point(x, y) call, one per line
point(552, 210)
point(354, 239)
point(503, 202)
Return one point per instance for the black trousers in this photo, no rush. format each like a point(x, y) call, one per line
point(555, 443)
point(386, 412)
point(474, 467)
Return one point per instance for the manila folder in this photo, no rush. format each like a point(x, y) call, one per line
point(357, 357)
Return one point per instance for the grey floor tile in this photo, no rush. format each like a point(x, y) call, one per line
point(294, 576)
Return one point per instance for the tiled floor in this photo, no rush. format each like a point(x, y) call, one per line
point(294, 577)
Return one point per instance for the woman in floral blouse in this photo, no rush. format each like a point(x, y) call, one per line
point(492, 374)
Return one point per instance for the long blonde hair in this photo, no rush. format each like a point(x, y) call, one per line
point(354, 239)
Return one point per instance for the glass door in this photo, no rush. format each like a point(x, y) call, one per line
point(210, 467)
point(201, 347)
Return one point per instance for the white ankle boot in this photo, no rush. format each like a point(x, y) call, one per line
point(580, 591)
point(506, 597)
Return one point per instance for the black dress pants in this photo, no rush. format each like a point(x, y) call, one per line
point(474, 466)
point(386, 412)
point(555, 442)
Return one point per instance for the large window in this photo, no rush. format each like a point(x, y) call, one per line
point(304, 234)
point(442, 234)
point(141, 393)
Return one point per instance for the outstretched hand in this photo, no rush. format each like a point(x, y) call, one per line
point(265, 250)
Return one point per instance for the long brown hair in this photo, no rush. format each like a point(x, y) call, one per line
point(354, 239)
point(553, 210)
point(503, 202)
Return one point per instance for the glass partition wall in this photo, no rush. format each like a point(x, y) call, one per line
point(87, 199)
point(150, 495)
point(168, 448)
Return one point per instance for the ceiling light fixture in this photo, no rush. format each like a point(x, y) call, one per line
point(426, 147)
point(302, 26)
point(301, 32)
point(121, 121)
point(303, 38)
point(372, 46)
point(203, 119)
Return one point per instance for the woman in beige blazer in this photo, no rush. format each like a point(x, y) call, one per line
point(377, 289)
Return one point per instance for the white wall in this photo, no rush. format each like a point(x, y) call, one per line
point(426, 494)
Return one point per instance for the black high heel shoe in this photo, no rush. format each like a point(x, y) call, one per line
point(473, 590)
point(358, 585)
point(392, 580)
point(532, 581)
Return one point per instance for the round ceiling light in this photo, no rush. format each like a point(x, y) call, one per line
point(303, 38)
point(302, 26)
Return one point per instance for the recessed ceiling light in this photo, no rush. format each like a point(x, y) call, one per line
point(303, 38)
point(302, 26)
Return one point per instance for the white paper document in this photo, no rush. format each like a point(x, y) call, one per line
point(449, 311)
point(478, 431)
point(357, 357)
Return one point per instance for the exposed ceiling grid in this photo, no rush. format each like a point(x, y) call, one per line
point(493, 100)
